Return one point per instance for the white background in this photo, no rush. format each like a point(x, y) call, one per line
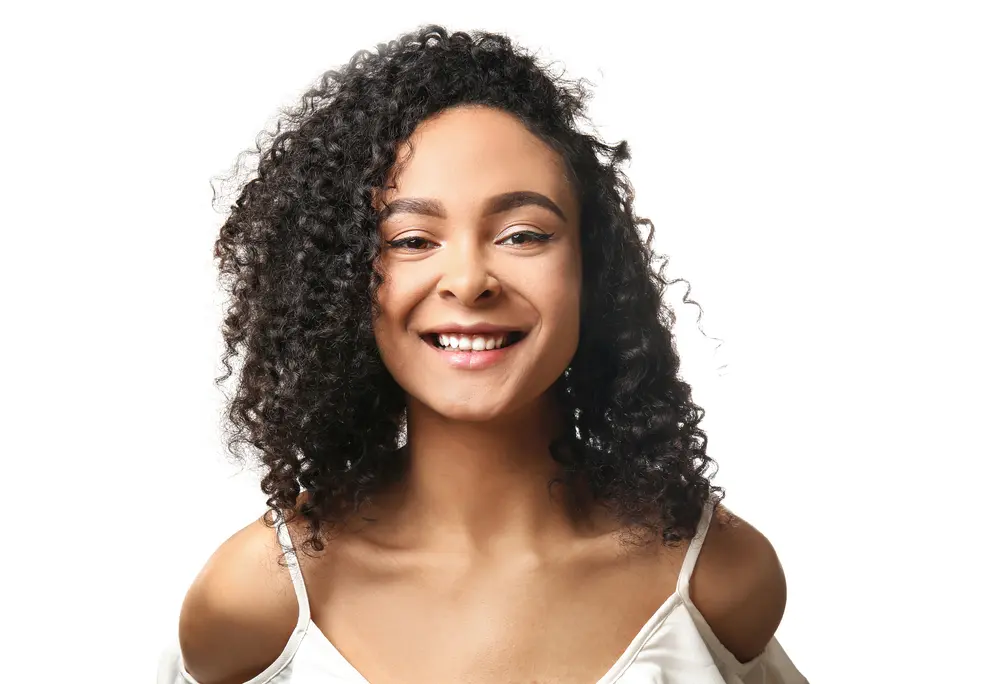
point(826, 176)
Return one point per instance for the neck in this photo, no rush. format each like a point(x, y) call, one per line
point(482, 487)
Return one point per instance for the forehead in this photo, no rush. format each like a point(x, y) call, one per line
point(467, 153)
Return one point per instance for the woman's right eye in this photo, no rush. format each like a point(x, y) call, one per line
point(412, 243)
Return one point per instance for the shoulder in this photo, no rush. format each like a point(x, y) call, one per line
point(738, 585)
point(240, 610)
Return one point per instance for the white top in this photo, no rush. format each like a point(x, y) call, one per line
point(675, 645)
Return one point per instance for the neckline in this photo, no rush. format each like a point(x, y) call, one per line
point(616, 670)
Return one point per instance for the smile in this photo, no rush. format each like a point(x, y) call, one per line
point(475, 343)
point(473, 352)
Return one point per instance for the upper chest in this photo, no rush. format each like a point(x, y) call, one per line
point(519, 621)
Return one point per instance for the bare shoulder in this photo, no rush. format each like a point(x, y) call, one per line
point(240, 610)
point(738, 585)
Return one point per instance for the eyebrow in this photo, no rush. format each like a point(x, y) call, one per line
point(494, 205)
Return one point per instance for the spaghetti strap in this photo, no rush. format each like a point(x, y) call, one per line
point(694, 549)
point(292, 560)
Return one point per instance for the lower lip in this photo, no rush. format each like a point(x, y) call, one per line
point(474, 360)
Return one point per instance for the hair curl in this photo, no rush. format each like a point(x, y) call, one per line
point(298, 254)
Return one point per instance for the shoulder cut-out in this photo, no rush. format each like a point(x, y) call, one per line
point(738, 585)
point(240, 610)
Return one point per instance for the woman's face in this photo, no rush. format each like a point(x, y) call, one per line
point(481, 256)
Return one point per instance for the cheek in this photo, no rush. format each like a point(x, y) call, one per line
point(557, 295)
point(390, 332)
point(399, 294)
point(389, 313)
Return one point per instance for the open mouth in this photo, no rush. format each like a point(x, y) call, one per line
point(473, 343)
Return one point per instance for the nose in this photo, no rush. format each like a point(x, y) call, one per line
point(466, 274)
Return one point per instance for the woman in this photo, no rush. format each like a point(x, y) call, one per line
point(481, 464)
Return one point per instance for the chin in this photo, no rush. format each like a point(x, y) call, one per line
point(471, 411)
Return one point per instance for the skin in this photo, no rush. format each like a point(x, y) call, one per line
point(472, 571)
point(478, 439)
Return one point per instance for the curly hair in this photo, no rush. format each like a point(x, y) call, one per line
point(298, 255)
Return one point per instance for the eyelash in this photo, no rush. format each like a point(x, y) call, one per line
point(407, 242)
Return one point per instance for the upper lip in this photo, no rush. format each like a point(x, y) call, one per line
point(473, 329)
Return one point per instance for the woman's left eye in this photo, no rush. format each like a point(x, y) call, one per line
point(525, 237)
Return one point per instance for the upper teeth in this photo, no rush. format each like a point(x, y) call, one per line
point(475, 343)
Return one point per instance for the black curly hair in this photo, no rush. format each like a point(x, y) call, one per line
point(299, 252)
